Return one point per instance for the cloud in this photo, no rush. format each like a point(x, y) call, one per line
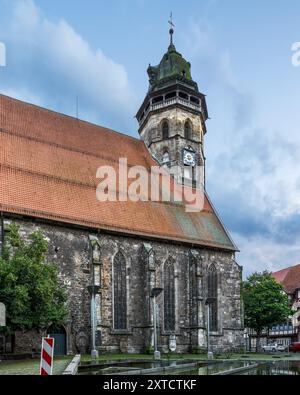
point(252, 172)
point(262, 253)
point(51, 63)
point(259, 182)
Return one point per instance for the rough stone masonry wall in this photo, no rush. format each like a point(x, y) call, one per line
point(137, 339)
point(70, 249)
point(176, 117)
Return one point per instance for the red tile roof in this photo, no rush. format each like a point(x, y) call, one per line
point(48, 164)
point(289, 278)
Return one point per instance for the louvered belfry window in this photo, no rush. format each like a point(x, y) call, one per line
point(188, 130)
point(120, 294)
point(165, 130)
point(169, 296)
point(212, 290)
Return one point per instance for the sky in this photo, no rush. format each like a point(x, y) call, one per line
point(241, 57)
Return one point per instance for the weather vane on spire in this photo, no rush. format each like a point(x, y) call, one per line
point(171, 31)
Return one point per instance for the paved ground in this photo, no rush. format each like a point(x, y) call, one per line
point(31, 367)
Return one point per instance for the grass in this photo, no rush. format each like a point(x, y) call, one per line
point(31, 367)
point(197, 357)
point(115, 357)
point(268, 357)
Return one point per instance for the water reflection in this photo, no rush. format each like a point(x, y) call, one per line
point(282, 368)
point(92, 368)
point(276, 368)
point(219, 367)
point(272, 368)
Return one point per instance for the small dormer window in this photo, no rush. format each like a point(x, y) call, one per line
point(165, 130)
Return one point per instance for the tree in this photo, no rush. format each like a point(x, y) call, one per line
point(265, 303)
point(29, 287)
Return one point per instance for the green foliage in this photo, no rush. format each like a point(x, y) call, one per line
point(150, 350)
point(237, 350)
point(30, 288)
point(265, 302)
point(197, 350)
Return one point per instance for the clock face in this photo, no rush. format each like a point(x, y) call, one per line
point(189, 158)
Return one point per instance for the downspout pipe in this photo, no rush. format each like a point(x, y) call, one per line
point(2, 233)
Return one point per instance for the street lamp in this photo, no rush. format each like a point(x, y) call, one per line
point(155, 292)
point(93, 290)
point(208, 303)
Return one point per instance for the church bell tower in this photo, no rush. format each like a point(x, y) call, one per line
point(173, 115)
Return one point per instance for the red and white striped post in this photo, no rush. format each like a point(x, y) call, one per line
point(46, 367)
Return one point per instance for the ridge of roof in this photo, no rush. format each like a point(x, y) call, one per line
point(69, 116)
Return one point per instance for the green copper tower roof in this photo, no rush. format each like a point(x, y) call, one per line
point(172, 66)
point(171, 84)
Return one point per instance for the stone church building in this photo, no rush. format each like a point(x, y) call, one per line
point(48, 166)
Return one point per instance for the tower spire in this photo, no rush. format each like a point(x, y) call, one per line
point(171, 31)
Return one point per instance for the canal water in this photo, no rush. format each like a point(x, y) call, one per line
point(271, 368)
point(278, 368)
point(126, 366)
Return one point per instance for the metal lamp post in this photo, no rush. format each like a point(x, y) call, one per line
point(93, 290)
point(154, 293)
point(208, 303)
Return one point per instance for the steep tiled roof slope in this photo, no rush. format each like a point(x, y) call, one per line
point(48, 164)
point(289, 278)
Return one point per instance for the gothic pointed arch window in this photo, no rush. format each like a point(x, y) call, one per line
point(193, 290)
point(169, 295)
point(212, 293)
point(119, 292)
point(188, 130)
point(165, 130)
point(147, 269)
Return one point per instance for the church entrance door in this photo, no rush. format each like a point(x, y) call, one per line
point(60, 339)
